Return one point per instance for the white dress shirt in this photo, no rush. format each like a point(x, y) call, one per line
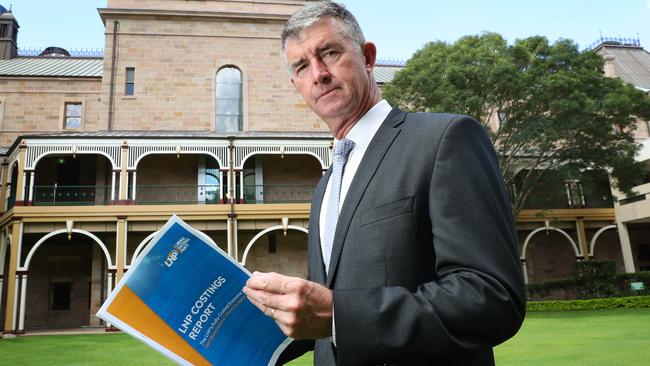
point(361, 134)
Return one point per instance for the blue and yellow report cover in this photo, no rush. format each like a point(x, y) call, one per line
point(183, 297)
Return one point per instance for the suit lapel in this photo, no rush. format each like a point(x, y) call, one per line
point(316, 258)
point(369, 163)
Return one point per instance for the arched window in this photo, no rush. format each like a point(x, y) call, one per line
point(229, 100)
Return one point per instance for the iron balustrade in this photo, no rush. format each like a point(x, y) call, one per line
point(171, 194)
point(57, 195)
point(278, 193)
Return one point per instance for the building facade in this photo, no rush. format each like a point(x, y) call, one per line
point(190, 112)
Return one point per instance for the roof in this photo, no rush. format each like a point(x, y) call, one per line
point(631, 64)
point(182, 134)
point(385, 73)
point(52, 66)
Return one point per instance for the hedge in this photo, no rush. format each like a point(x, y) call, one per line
point(593, 304)
point(592, 279)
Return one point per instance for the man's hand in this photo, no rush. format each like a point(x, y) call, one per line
point(302, 309)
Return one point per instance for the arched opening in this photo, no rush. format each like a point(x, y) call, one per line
point(13, 187)
point(4, 270)
point(66, 279)
point(607, 246)
point(271, 250)
point(66, 179)
point(276, 178)
point(182, 178)
point(229, 97)
point(549, 255)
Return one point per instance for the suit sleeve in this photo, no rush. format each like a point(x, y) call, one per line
point(477, 300)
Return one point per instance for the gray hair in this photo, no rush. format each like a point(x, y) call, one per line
point(311, 13)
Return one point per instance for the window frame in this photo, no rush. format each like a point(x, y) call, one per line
point(65, 115)
point(240, 121)
point(128, 82)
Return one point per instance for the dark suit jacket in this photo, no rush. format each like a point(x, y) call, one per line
point(425, 263)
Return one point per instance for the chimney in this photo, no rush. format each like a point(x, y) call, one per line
point(609, 70)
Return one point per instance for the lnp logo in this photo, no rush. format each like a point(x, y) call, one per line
point(171, 258)
point(181, 245)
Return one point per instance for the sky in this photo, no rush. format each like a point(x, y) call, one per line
point(398, 28)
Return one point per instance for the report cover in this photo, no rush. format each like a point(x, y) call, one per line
point(183, 297)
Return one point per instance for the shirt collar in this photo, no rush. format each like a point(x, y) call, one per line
point(364, 130)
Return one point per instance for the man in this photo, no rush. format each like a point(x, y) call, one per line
point(413, 256)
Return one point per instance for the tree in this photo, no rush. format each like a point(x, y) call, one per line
point(557, 111)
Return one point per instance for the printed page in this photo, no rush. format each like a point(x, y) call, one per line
point(183, 297)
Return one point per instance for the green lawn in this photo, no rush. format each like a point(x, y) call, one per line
point(602, 337)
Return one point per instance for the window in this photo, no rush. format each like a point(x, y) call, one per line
point(72, 115)
point(229, 100)
point(129, 81)
point(60, 296)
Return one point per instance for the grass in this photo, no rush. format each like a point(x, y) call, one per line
point(594, 338)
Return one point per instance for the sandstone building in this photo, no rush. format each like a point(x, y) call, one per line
point(190, 112)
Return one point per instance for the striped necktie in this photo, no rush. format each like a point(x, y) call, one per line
point(340, 154)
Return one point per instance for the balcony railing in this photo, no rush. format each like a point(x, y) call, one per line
point(71, 195)
point(278, 193)
point(184, 194)
point(57, 195)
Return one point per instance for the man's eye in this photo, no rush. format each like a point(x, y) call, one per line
point(328, 54)
point(300, 69)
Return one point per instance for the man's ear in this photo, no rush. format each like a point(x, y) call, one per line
point(370, 53)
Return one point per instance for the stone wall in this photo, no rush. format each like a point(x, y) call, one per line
point(290, 257)
point(176, 59)
point(59, 261)
point(36, 105)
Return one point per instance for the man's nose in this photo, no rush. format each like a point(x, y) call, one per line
point(320, 73)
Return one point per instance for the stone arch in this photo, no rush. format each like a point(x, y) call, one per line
point(148, 239)
point(310, 153)
point(592, 244)
point(141, 246)
point(266, 231)
point(106, 155)
point(42, 240)
point(182, 152)
point(574, 246)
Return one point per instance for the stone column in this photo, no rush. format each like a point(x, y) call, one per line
point(23, 299)
point(12, 279)
point(626, 247)
point(120, 247)
point(241, 186)
point(582, 238)
point(109, 288)
point(96, 285)
point(113, 187)
point(20, 184)
point(133, 187)
point(31, 188)
point(124, 175)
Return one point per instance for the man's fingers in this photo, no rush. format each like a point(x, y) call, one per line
point(264, 300)
point(270, 282)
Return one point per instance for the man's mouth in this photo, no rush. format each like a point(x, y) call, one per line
point(326, 93)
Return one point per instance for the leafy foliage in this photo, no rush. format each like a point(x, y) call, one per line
point(593, 304)
point(558, 111)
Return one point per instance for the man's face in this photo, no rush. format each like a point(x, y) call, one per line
point(330, 72)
